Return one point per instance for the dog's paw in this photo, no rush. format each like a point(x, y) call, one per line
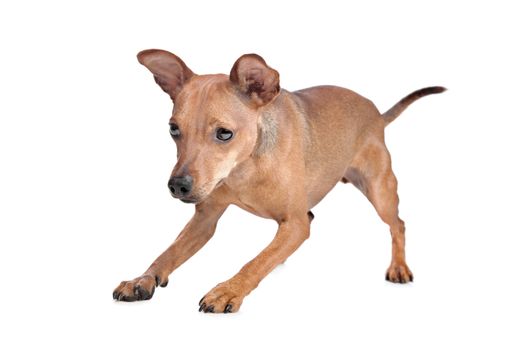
point(399, 273)
point(140, 288)
point(225, 298)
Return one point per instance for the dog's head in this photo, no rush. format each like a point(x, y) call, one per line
point(215, 118)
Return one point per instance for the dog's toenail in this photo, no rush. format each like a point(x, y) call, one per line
point(209, 309)
point(200, 301)
point(311, 216)
point(203, 305)
point(228, 309)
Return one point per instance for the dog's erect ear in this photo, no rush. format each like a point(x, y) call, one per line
point(255, 78)
point(169, 71)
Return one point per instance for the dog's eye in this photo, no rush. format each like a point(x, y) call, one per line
point(223, 134)
point(174, 130)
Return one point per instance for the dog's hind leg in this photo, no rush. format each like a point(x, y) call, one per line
point(371, 173)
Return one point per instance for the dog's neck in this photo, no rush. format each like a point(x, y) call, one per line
point(267, 133)
point(271, 125)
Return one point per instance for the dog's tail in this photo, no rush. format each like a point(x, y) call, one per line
point(399, 107)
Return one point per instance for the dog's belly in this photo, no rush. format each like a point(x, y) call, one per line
point(317, 192)
point(321, 179)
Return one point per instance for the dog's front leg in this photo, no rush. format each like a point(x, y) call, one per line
point(197, 232)
point(228, 296)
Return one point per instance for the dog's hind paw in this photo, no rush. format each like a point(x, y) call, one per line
point(141, 288)
point(399, 273)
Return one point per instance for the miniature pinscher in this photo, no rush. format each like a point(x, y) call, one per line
point(243, 140)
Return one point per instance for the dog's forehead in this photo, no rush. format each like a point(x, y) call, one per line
point(208, 82)
point(205, 97)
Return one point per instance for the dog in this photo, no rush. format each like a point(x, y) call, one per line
point(243, 140)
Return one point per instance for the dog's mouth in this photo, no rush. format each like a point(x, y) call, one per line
point(198, 199)
point(188, 200)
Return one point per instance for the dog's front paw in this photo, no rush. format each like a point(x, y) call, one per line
point(399, 273)
point(140, 288)
point(226, 297)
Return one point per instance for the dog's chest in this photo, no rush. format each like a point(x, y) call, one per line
point(252, 200)
point(257, 196)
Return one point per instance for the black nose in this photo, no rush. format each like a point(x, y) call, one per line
point(180, 186)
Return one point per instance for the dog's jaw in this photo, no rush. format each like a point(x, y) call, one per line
point(199, 199)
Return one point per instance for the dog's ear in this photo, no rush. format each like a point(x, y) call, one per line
point(169, 71)
point(255, 78)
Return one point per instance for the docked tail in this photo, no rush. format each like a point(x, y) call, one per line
point(399, 107)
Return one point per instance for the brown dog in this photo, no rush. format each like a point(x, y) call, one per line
point(243, 140)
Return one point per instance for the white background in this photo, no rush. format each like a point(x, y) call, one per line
point(85, 157)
